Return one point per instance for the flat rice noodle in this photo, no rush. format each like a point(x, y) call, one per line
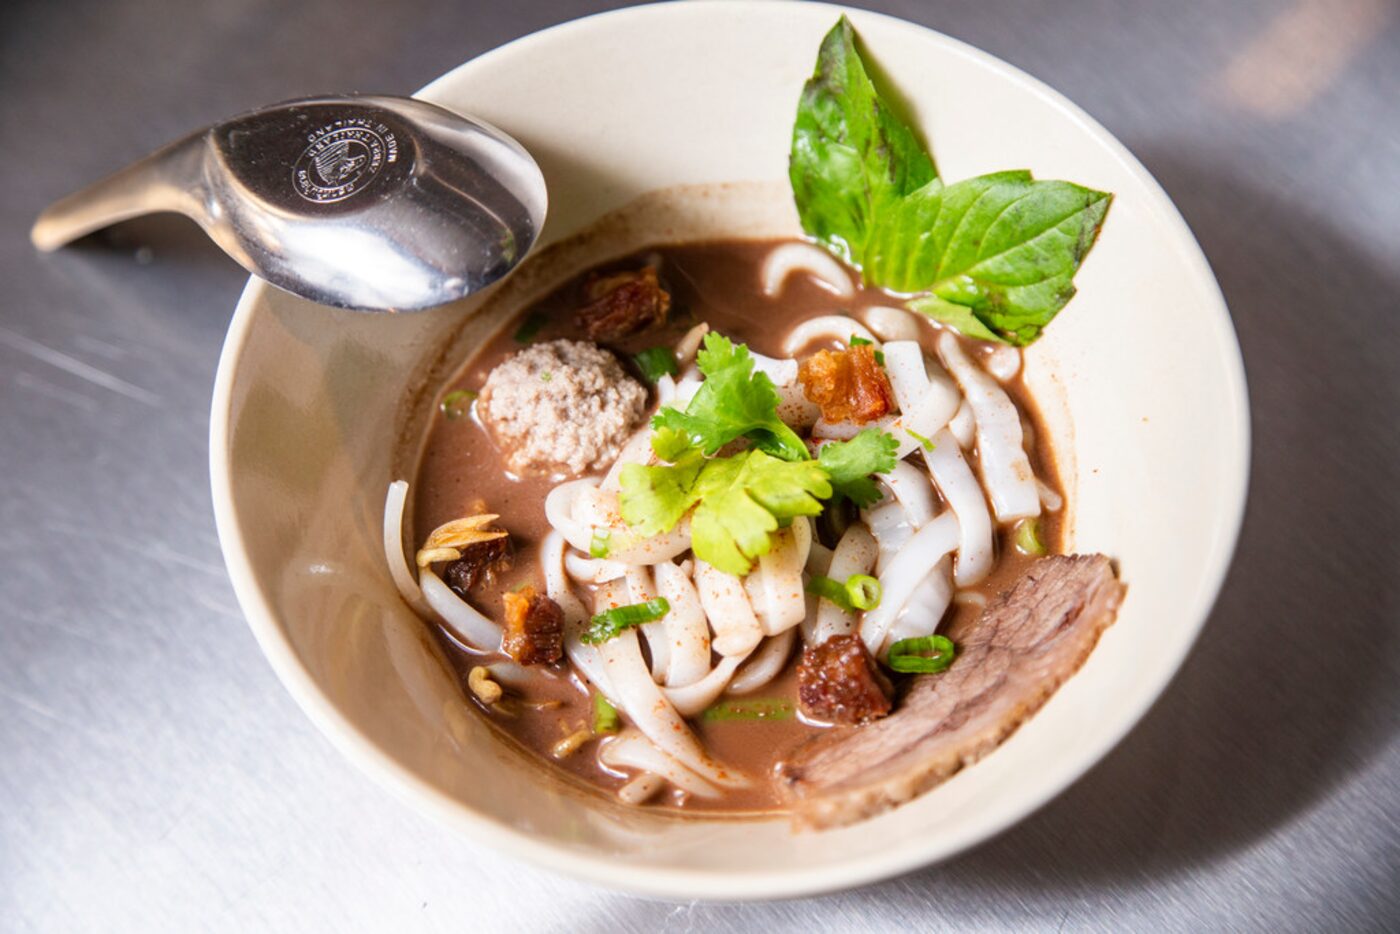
point(781, 578)
point(783, 372)
point(924, 610)
point(687, 630)
point(835, 328)
point(737, 630)
point(584, 657)
point(559, 511)
point(782, 261)
point(468, 625)
point(963, 426)
point(904, 574)
point(632, 750)
point(592, 570)
point(765, 664)
point(926, 402)
point(955, 480)
point(649, 710)
point(911, 488)
point(854, 554)
point(892, 324)
point(640, 589)
point(692, 699)
point(889, 524)
point(1001, 454)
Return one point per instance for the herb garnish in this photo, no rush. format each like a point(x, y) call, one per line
point(742, 499)
point(656, 362)
point(993, 256)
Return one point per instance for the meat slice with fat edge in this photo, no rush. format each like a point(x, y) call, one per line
point(1026, 643)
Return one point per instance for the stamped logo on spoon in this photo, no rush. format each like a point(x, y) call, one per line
point(343, 157)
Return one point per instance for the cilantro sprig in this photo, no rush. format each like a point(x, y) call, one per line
point(740, 500)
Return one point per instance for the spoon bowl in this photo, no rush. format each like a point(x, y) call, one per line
point(371, 203)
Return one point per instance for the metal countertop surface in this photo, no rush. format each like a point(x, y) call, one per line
point(154, 775)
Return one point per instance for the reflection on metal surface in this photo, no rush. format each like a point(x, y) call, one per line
point(1300, 54)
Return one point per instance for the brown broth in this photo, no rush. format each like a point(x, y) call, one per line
point(715, 282)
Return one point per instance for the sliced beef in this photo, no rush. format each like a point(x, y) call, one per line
point(847, 385)
point(534, 628)
point(479, 561)
point(839, 682)
point(1027, 642)
point(623, 303)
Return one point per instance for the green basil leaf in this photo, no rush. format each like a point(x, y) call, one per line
point(852, 157)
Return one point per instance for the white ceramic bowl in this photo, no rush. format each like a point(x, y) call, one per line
point(315, 411)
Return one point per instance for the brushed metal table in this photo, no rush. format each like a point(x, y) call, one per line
point(155, 776)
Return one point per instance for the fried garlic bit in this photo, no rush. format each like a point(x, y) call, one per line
point(486, 690)
point(447, 540)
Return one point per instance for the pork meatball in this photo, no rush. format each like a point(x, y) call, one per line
point(561, 407)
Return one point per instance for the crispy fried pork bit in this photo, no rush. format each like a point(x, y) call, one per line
point(623, 303)
point(534, 628)
point(847, 385)
point(479, 563)
point(839, 682)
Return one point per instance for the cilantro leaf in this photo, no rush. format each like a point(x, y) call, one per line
point(732, 402)
point(993, 256)
point(744, 498)
point(741, 500)
point(849, 464)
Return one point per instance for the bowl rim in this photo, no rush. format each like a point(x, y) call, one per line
point(717, 884)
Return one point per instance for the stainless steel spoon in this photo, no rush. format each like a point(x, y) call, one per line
point(365, 202)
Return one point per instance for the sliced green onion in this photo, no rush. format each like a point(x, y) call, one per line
point(602, 541)
point(656, 362)
point(927, 443)
point(609, 624)
point(922, 655)
point(863, 591)
point(752, 708)
point(605, 718)
point(859, 592)
point(529, 327)
point(455, 404)
point(1027, 537)
point(832, 590)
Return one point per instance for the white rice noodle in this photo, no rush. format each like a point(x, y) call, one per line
point(692, 699)
point(518, 676)
point(394, 504)
point(584, 657)
point(655, 550)
point(473, 630)
point(783, 604)
point(818, 558)
point(737, 630)
point(789, 258)
point(970, 598)
point(926, 402)
point(685, 390)
point(905, 573)
point(911, 487)
point(637, 695)
point(592, 570)
point(892, 324)
point(1052, 501)
point(559, 510)
point(637, 450)
point(640, 589)
point(641, 789)
point(687, 631)
point(689, 344)
point(963, 426)
point(855, 554)
point(837, 328)
point(955, 480)
point(795, 409)
point(764, 664)
point(1006, 470)
point(889, 524)
point(781, 372)
point(924, 609)
point(1004, 363)
point(632, 750)
point(595, 508)
point(824, 430)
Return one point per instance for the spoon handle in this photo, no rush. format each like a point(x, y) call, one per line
point(169, 179)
